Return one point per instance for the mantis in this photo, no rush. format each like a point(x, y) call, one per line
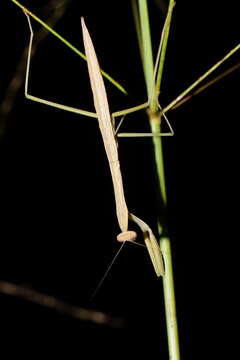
point(104, 117)
point(105, 124)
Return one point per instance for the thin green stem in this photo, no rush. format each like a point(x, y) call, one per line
point(149, 75)
point(146, 45)
point(209, 83)
point(165, 245)
point(158, 151)
point(137, 27)
point(164, 47)
point(67, 43)
point(169, 300)
point(200, 79)
point(155, 123)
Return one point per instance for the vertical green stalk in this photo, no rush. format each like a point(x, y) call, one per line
point(146, 45)
point(155, 123)
point(165, 245)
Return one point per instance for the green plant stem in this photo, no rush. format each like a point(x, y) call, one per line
point(204, 87)
point(67, 43)
point(165, 245)
point(137, 27)
point(164, 47)
point(158, 152)
point(146, 45)
point(169, 300)
point(200, 79)
point(155, 122)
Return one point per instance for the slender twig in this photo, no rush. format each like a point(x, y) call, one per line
point(67, 43)
point(164, 47)
point(55, 304)
point(206, 86)
point(137, 27)
point(200, 79)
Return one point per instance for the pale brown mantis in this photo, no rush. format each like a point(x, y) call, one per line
point(122, 212)
point(105, 124)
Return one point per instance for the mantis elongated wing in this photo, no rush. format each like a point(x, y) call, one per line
point(105, 125)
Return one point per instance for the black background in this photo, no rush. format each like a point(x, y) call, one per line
point(58, 222)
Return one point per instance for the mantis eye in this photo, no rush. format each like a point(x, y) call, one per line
point(127, 236)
